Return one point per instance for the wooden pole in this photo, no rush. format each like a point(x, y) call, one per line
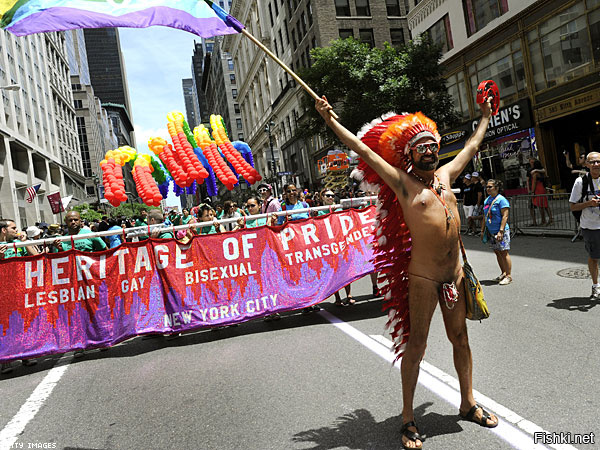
point(298, 80)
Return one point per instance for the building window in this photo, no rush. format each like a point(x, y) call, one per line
point(271, 15)
point(234, 93)
point(78, 104)
point(238, 123)
point(362, 8)
point(440, 33)
point(342, 8)
point(478, 13)
point(232, 78)
point(309, 13)
point(303, 21)
point(562, 47)
point(366, 35)
point(230, 64)
point(240, 136)
point(294, 43)
point(397, 37)
point(346, 33)
point(504, 65)
point(393, 8)
point(236, 108)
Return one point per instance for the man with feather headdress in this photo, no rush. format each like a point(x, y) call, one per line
point(417, 243)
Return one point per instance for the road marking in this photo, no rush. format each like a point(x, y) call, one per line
point(514, 429)
point(14, 428)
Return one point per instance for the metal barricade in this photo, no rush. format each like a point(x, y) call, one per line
point(526, 214)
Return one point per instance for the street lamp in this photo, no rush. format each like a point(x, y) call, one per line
point(268, 127)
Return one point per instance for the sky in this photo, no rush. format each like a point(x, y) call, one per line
point(156, 60)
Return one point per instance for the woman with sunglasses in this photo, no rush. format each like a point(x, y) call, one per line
point(292, 203)
point(253, 209)
point(495, 215)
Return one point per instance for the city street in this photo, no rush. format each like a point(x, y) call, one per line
point(324, 380)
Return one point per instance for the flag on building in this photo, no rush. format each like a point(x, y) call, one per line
point(65, 202)
point(56, 203)
point(32, 192)
point(205, 19)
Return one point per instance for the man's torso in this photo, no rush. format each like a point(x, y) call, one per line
point(435, 249)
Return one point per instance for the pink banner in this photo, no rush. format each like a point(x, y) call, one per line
point(72, 300)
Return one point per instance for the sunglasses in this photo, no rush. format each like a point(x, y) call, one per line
point(291, 191)
point(263, 190)
point(594, 162)
point(329, 195)
point(421, 149)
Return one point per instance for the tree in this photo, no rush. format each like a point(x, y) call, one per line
point(363, 83)
point(129, 209)
point(87, 213)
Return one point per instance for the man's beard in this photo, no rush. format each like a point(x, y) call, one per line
point(426, 165)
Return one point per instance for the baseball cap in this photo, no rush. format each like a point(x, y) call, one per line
point(265, 185)
point(468, 176)
point(475, 174)
point(33, 231)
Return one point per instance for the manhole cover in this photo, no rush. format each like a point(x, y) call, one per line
point(580, 273)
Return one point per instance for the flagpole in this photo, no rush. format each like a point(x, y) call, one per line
point(306, 87)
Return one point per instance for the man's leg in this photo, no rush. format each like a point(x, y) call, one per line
point(593, 267)
point(456, 330)
point(422, 300)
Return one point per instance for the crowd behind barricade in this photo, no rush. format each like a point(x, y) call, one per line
point(160, 225)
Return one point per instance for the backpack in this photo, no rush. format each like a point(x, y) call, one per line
point(586, 183)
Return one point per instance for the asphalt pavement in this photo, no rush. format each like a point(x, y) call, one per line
point(325, 381)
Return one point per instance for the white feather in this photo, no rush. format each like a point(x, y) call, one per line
point(368, 126)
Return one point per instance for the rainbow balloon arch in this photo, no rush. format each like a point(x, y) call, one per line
point(192, 159)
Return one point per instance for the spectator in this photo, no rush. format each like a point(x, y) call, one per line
point(116, 239)
point(155, 217)
point(142, 219)
point(579, 168)
point(35, 234)
point(103, 225)
point(207, 214)
point(538, 187)
point(495, 211)
point(9, 234)
point(269, 203)
point(469, 201)
point(328, 198)
point(585, 197)
point(172, 219)
point(230, 212)
point(53, 230)
point(479, 189)
point(75, 227)
point(292, 203)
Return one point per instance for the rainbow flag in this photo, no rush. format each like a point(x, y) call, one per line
point(203, 18)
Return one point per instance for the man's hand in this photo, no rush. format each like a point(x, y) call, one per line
point(57, 245)
point(323, 107)
point(486, 107)
point(594, 202)
point(3, 248)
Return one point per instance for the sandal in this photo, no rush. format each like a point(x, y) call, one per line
point(349, 301)
point(339, 303)
point(411, 435)
point(485, 416)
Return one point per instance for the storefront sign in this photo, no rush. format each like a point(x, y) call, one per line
point(568, 106)
point(511, 118)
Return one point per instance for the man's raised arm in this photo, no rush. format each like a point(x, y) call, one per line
point(390, 174)
point(458, 164)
